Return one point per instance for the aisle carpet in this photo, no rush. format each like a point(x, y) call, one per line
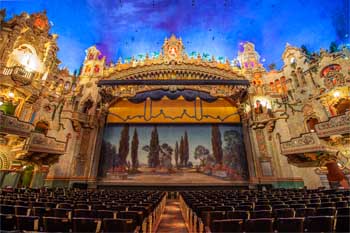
point(172, 220)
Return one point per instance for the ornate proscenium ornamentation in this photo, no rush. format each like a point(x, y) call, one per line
point(173, 70)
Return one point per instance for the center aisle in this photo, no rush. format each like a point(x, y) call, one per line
point(172, 220)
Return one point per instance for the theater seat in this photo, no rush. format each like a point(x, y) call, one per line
point(259, 225)
point(86, 225)
point(227, 225)
point(262, 207)
point(118, 225)
point(297, 206)
point(342, 223)
point(60, 213)
point(305, 212)
point(7, 222)
point(54, 224)
point(84, 213)
point(343, 211)
point(238, 214)
point(137, 216)
point(224, 208)
point(326, 211)
point(106, 214)
point(22, 210)
point(82, 206)
point(341, 204)
point(27, 223)
point(284, 213)
point(320, 223)
point(209, 216)
point(290, 225)
point(7, 209)
point(261, 214)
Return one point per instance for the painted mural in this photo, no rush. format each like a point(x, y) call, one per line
point(185, 153)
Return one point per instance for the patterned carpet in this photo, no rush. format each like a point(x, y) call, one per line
point(171, 220)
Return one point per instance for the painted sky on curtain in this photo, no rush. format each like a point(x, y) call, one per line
point(123, 28)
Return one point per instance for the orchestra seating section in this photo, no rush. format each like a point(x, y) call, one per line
point(283, 210)
point(64, 210)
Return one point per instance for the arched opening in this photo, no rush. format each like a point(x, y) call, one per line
point(342, 106)
point(42, 127)
point(311, 122)
point(87, 106)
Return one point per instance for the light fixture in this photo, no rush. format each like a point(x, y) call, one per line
point(336, 94)
point(1, 103)
point(11, 94)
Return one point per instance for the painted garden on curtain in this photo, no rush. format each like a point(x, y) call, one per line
point(185, 153)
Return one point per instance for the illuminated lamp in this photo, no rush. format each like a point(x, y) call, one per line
point(336, 94)
point(1, 101)
point(11, 94)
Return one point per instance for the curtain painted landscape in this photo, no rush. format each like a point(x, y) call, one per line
point(173, 154)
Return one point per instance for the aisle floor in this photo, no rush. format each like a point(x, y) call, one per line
point(172, 220)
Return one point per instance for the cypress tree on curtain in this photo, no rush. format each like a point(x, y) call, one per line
point(181, 151)
point(134, 148)
point(177, 154)
point(154, 148)
point(186, 149)
point(216, 143)
point(124, 144)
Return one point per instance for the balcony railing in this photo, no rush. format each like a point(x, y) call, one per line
point(11, 125)
point(334, 126)
point(306, 150)
point(18, 74)
point(39, 142)
point(306, 143)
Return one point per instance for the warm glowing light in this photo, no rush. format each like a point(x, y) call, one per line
point(336, 94)
point(26, 56)
point(11, 94)
point(263, 103)
point(44, 76)
point(1, 103)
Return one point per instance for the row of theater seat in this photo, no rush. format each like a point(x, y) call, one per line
point(75, 210)
point(252, 211)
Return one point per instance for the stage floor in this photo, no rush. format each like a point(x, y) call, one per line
point(186, 178)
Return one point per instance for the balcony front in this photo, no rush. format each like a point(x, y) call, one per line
point(18, 74)
point(39, 142)
point(336, 125)
point(307, 150)
point(12, 125)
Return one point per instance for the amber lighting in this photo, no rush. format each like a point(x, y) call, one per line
point(11, 94)
point(336, 94)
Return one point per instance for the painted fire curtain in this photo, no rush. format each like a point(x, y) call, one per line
point(173, 153)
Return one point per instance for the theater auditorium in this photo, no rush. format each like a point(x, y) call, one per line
point(174, 116)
